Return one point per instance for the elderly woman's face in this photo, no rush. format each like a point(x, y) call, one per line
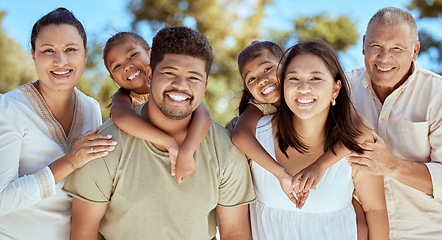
point(309, 87)
point(59, 57)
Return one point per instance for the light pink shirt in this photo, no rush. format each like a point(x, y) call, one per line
point(410, 123)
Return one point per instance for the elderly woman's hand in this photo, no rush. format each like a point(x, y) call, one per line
point(90, 146)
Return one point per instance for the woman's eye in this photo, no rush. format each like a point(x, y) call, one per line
point(132, 56)
point(316, 79)
point(267, 69)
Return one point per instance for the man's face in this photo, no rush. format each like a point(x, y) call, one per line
point(178, 85)
point(389, 51)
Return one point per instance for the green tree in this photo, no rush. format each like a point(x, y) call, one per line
point(16, 65)
point(430, 45)
point(230, 25)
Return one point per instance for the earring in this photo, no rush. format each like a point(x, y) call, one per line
point(333, 102)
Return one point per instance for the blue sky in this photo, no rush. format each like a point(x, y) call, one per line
point(103, 18)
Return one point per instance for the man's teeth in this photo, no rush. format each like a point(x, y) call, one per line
point(384, 69)
point(177, 98)
point(61, 73)
point(309, 100)
point(269, 89)
point(134, 75)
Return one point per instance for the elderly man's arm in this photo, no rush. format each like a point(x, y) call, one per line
point(234, 222)
point(378, 160)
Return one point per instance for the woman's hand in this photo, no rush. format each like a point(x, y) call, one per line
point(90, 146)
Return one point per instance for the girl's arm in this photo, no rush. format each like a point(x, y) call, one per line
point(309, 177)
point(244, 138)
point(126, 119)
point(198, 128)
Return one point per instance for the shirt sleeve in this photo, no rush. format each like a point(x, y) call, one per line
point(16, 192)
point(435, 138)
point(91, 183)
point(236, 187)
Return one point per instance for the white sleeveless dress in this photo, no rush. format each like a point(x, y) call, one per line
point(327, 214)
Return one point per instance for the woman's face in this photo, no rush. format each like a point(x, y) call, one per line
point(309, 87)
point(59, 57)
point(259, 75)
point(127, 63)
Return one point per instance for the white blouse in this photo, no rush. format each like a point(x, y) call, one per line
point(32, 206)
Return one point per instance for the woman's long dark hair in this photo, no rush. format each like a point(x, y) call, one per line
point(249, 53)
point(339, 124)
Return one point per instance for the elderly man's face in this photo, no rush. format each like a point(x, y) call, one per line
point(389, 51)
point(178, 85)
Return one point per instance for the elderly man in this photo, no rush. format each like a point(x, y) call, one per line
point(130, 194)
point(403, 102)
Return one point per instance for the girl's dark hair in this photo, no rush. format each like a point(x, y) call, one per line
point(339, 125)
point(57, 17)
point(249, 53)
point(122, 36)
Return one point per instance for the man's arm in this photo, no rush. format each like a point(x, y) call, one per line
point(378, 160)
point(86, 218)
point(234, 222)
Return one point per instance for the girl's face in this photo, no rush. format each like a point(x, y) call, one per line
point(59, 57)
point(259, 75)
point(309, 87)
point(127, 63)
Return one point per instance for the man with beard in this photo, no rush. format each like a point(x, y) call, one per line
point(130, 194)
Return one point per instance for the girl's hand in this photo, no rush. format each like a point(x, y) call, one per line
point(302, 197)
point(90, 146)
point(173, 152)
point(308, 178)
point(185, 166)
point(285, 180)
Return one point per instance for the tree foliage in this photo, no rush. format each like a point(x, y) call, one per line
point(430, 45)
point(16, 66)
point(230, 25)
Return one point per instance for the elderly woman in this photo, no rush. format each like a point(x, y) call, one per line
point(46, 133)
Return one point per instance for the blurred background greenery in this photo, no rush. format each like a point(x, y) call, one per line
point(227, 30)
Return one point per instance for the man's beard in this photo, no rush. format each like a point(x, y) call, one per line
point(173, 113)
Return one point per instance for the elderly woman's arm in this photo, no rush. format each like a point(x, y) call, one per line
point(20, 192)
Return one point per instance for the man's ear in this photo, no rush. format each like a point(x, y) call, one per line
point(363, 45)
point(207, 81)
point(417, 47)
point(33, 54)
point(86, 53)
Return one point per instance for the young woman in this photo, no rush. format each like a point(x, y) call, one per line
point(315, 112)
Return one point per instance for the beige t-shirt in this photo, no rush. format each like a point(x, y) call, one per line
point(144, 200)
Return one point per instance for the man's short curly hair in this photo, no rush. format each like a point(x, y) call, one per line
point(180, 40)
